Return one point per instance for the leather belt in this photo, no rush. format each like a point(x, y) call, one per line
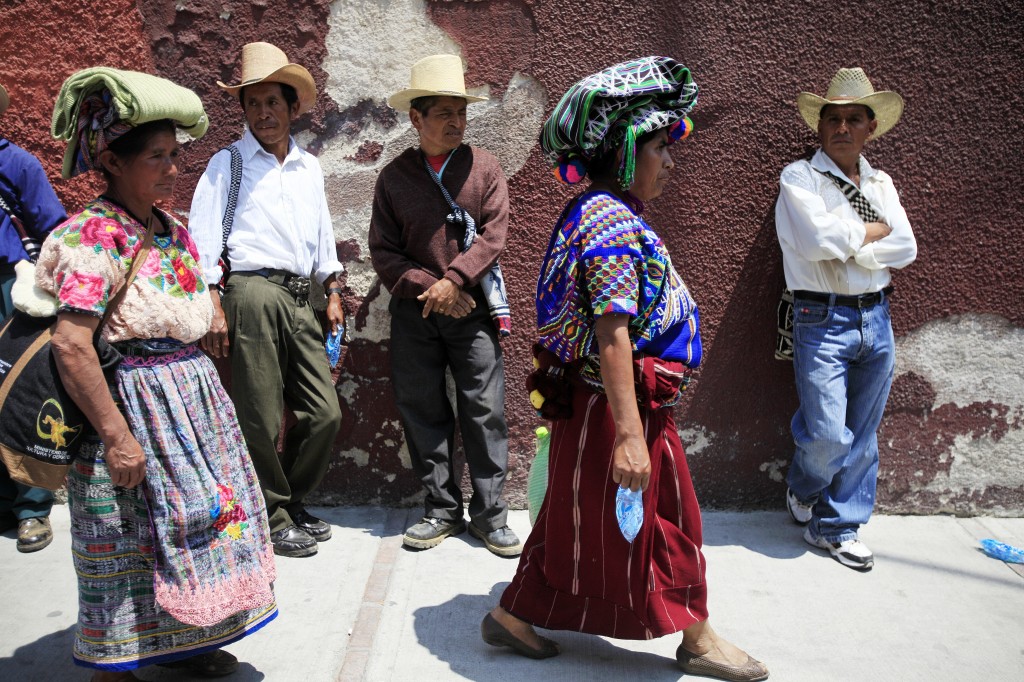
point(297, 285)
point(860, 301)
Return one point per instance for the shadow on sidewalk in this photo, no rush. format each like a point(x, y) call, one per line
point(451, 632)
point(47, 658)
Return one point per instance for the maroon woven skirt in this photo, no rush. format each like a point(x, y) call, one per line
point(577, 572)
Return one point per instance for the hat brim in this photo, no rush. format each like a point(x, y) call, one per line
point(294, 75)
point(887, 105)
point(402, 101)
point(5, 101)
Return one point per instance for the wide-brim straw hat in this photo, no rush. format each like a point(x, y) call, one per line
point(266, 63)
point(851, 86)
point(439, 75)
point(5, 101)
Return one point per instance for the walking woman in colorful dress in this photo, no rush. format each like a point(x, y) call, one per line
point(169, 529)
point(619, 333)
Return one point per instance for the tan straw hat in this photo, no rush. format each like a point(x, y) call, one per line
point(439, 75)
point(851, 86)
point(4, 100)
point(263, 62)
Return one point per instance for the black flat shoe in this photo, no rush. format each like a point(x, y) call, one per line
point(216, 663)
point(496, 634)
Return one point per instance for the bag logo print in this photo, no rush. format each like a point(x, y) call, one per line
point(58, 428)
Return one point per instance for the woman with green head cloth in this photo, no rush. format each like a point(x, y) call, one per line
point(618, 334)
point(169, 528)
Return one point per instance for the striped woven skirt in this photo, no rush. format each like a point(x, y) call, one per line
point(181, 564)
point(577, 572)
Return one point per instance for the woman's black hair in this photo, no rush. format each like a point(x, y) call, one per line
point(605, 166)
point(132, 143)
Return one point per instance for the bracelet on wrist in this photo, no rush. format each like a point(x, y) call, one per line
point(333, 290)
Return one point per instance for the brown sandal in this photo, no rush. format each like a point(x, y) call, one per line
point(692, 664)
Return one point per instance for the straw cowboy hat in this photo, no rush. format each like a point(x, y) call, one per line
point(263, 62)
point(4, 100)
point(439, 75)
point(851, 86)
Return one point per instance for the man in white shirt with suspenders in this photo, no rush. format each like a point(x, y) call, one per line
point(841, 228)
point(280, 233)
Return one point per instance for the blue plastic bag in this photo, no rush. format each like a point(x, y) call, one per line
point(1002, 551)
point(629, 510)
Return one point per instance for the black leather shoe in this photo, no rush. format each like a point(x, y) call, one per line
point(501, 541)
point(430, 532)
point(293, 542)
point(318, 529)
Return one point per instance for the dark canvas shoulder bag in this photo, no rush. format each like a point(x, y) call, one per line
point(40, 425)
point(784, 311)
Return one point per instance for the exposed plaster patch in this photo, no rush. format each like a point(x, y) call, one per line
point(695, 440)
point(967, 359)
point(360, 457)
point(774, 469)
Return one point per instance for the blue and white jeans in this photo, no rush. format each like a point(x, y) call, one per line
point(844, 358)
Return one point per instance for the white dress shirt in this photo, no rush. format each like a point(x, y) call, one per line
point(281, 220)
point(822, 237)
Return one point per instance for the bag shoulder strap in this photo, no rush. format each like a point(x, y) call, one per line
point(856, 198)
point(29, 243)
point(233, 190)
point(440, 185)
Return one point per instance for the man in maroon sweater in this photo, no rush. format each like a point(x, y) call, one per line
point(439, 315)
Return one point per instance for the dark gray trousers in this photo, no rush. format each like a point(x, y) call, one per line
point(421, 350)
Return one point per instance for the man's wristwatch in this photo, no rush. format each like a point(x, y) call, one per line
point(333, 290)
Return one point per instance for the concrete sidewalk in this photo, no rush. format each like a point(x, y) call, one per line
point(934, 608)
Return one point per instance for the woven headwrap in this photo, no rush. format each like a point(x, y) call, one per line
point(616, 106)
point(99, 124)
point(97, 105)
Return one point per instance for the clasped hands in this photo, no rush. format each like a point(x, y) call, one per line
point(445, 297)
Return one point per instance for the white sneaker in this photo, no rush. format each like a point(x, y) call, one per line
point(852, 553)
point(800, 512)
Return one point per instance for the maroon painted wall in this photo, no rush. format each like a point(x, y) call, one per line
point(955, 157)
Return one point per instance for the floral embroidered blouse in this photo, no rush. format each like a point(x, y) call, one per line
point(86, 260)
point(603, 258)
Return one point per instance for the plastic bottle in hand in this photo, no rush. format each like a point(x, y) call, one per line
point(629, 510)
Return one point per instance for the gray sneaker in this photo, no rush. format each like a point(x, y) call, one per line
point(501, 541)
point(430, 532)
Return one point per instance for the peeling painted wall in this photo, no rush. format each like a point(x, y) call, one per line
point(952, 436)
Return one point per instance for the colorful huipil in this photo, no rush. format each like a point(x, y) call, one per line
point(577, 572)
point(182, 563)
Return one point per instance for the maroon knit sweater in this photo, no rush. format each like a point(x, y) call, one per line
point(412, 246)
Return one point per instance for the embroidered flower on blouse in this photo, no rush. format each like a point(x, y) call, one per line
point(151, 268)
point(103, 232)
point(82, 290)
point(186, 277)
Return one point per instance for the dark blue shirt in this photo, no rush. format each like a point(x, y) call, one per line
point(26, 189)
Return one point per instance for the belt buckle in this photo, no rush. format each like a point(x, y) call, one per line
point(298, 287)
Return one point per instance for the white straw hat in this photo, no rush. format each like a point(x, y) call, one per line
point(439, 75)
point(851, 86)
point(263, 62)
point(4, 100)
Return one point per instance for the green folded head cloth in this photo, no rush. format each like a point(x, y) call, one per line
point(128, 98)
